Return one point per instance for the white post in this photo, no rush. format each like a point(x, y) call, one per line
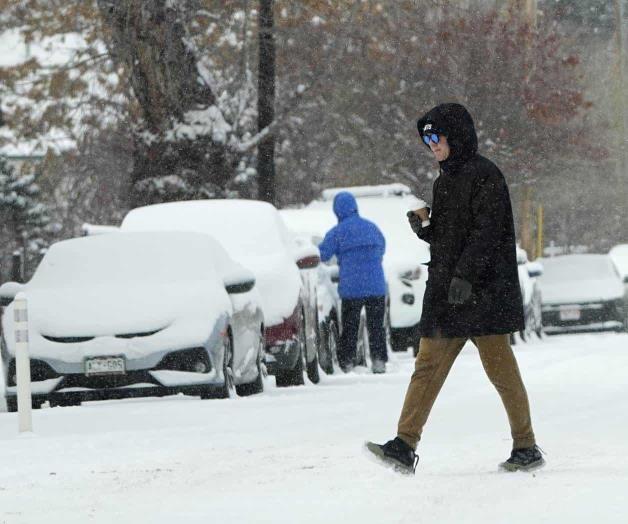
point(22, 364)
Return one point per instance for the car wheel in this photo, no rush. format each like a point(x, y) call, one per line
point(398, 343)
point(257, 386)
point(65, 403)
point(294, 376)
point(228, 389)
point(11, 404)
point(329, 343)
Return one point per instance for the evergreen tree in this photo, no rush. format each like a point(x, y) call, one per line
point(23, 216)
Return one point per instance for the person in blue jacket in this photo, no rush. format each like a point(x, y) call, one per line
point(359, 247)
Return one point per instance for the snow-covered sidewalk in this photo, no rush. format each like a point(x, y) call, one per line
point(295, 455)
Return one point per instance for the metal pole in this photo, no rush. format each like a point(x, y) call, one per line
point(539, 231)
point(22, 364)
point(266, 101)
point(620, 110)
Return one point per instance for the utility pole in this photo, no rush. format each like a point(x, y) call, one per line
point(620, 97)
point(526, 9)
point(525, 12)
point(266, 102)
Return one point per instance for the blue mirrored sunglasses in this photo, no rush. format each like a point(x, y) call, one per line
point(433, 137)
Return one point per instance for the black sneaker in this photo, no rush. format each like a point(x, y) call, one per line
point(524, 459)
point(396, 453)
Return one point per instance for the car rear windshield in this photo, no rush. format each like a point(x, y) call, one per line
point(244, 228)
point(578, 268)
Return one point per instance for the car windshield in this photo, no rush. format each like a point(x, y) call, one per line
point(126, 258)
point(244, 228)
point(570, 268)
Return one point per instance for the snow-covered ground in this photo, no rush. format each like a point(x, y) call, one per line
point(295, 455)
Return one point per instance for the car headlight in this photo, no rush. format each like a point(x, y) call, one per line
point(412, 274)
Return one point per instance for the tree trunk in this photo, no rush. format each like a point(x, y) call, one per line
point(266, 102)
point(181, 142)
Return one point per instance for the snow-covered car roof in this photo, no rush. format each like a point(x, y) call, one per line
point(385, 190)
point(134, 258)
point(579, 279)
point(389, 214)
point(251, 231)
point(244, 227)
point(313, 222)
point(619, 256)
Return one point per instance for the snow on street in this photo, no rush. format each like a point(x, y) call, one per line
point(295, 455)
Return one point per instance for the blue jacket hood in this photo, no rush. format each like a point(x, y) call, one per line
point(345, 205)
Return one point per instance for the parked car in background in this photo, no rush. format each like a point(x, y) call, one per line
point(254, 235)
point(582, 293)
point(619, 256)
point(531, 294)
point(137, 314)
point(310, 227)
point(405, 256)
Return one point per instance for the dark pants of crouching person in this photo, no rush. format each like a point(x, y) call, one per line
point(375, 312)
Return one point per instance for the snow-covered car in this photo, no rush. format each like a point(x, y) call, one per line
point(310, 227)
point(531, 294)
point(619, 256)
point(405, 255)
point(254, 235)
point(582, 293)
point(137, 314)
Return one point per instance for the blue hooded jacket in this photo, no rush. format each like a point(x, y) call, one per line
point(359, 246)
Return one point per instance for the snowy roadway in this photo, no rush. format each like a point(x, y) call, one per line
point(296, 455)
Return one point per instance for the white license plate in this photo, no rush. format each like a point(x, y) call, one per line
point(570, 313)
point(105, 366)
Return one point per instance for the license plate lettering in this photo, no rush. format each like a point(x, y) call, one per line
point(105, 366)
point(570, 313)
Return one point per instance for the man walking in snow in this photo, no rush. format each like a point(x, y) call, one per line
point(359, 247)
point(473, 288)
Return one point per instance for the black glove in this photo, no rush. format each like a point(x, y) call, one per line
point(459, 291)
point(415, 222)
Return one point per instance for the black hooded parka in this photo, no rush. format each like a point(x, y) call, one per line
point(471, 236)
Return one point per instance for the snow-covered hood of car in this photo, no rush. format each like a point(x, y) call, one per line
point(591, 290)
point(120, 310)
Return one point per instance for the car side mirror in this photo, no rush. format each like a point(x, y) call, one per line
point(535, 269)
point(309, 262)
point(239, 280)
point(307, 257)
point(8, 290)
point(240, 287)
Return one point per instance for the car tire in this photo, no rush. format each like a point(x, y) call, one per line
point(329, 345)
point(257, 386)
point(12, 404)
point(398, 344)
point(313, 372)
point(294, 376)
point(291, 377)
point(65, 403)
point(228, 388)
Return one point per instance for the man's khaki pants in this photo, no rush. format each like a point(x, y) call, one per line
point(435, 358)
